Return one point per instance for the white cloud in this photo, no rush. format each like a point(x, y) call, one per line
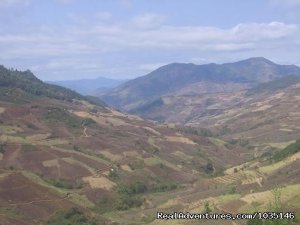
point(148, 21)
point(75, 47)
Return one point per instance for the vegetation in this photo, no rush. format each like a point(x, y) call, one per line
point(26, 81)
point(72, 216)
point(274, 206)
point(129, 195)
point(195, 131)
point(274, 85)
point(60, 115)
point(62, 183)
point(2, 148)
point(287, 151)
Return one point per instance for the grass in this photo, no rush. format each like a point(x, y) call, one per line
point(72, 216)
point(80, 200)
point(2, 110)
point(287, 151)
point(8, 212)
point(278, 165)
point(153, 161)
point(10, 129)
point(99, 182)
point(61, 115)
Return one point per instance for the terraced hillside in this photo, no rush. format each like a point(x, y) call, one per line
point(70, 161)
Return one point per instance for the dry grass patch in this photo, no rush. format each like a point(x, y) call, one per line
point(111, 156)
point(13, 139)
point(281, 145)
point(126, 168)
point(133, 154)
point(180, 139)
point(70, 160)
point(2, 110)
point(182, 155)
point(10, 129)
point(51, 163)
point(37, 137)
point(260, 197)
point(152, 161)
point(262, 108)
point(276, 166)
point(151, 130)
point(99, 182)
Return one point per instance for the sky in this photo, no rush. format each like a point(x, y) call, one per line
point(120, 39)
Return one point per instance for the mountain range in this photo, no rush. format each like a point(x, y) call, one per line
point(180, 79)
point(70, 159)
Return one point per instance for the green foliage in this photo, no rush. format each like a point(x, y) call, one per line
point(61, 115)
point(2, 147)
point(113, 175)
point(274, 206)
point(72, 216)
point(32, 126)
point(129, 195)
point(207, 208)
point(105, 204)
point(27, 82)
point(195, 131)
point(163, 187)
point(134, 165)
point(287, 151)
point(88, 121)
point(62, 183)
point(11, 79)
point(209, 168)
point(146, 147)
point(29, 147)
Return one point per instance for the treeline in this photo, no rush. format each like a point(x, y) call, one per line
point(287, 151)
point(26, 81)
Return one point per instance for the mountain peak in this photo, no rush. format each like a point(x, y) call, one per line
point(257, 60)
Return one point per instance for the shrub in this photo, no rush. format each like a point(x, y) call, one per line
point(289, 150)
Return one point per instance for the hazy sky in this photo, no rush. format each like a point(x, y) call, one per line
point(72, 39)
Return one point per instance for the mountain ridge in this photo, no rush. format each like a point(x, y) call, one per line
point(176, 76)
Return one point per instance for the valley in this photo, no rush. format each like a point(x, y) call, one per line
point(66, 158)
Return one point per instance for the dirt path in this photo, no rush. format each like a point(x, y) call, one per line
point(42, 200)
point(84, 132)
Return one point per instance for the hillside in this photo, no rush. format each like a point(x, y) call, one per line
point(79, 154)
point(190, 79)
point(89, 86)
point(68, 161)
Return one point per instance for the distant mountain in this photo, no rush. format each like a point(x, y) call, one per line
point(89, 86)
point(190, 79)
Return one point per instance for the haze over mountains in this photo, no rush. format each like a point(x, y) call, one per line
point(179, 79)
point(89, 86)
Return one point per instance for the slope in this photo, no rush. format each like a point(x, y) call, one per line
point(88, 156)
point(181, 79)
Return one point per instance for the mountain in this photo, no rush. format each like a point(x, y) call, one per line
point(66, 160)
point(89, 86)
point(59, 151)
point(190, 79)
